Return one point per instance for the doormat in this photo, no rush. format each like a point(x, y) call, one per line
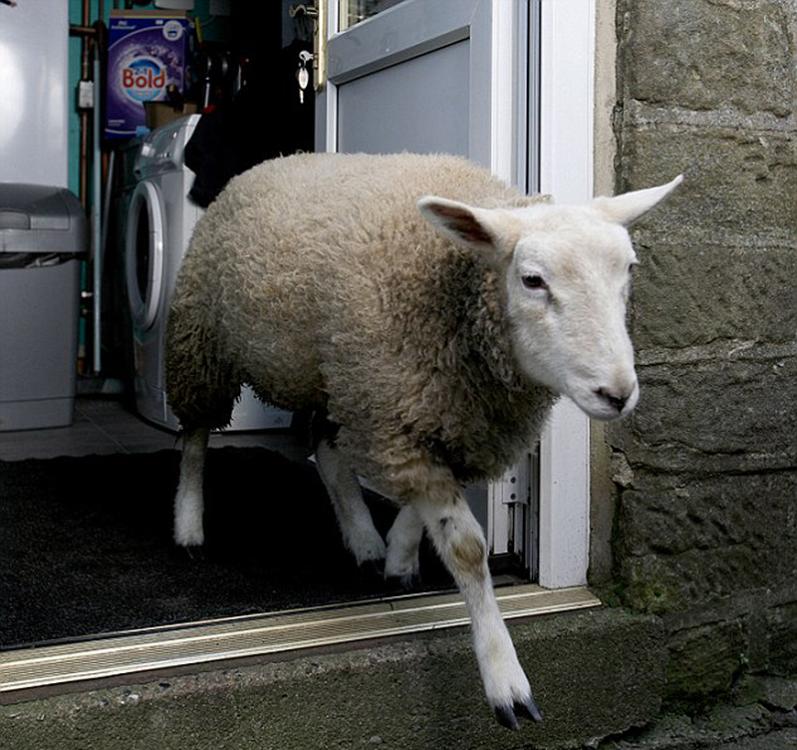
point(86, 545)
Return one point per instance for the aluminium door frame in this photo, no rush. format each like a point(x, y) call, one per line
point(555, 152)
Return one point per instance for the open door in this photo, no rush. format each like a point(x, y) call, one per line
point(445, 76)
point(415, 77)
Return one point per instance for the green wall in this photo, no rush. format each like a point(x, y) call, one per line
point(74, 76)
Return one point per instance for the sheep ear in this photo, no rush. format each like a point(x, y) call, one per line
point(627, 208)
point(473, 227)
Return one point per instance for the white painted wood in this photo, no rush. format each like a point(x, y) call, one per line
point(504, 73)
point(326, 101)
point(564, 498)
point(567, 94)
point(566, 153)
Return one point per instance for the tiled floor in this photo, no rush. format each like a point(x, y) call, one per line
point(102, 425)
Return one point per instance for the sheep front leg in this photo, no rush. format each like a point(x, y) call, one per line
point(460, 542)
point(356, 525)
point(189, 503)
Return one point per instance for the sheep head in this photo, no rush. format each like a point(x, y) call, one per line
point(567, 276)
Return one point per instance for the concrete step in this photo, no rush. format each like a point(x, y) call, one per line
point(594, 673)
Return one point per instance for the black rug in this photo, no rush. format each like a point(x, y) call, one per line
point(86, 546)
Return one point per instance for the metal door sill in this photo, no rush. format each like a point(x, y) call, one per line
point(238, 637)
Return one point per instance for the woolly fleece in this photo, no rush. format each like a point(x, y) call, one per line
point(315, 279)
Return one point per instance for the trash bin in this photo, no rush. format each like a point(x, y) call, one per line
point(42, 236)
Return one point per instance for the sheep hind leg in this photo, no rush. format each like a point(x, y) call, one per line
point(403, 544)
point(189, 502)
point(460, 542)
point(356, 525)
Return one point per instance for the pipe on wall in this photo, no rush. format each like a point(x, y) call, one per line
point(96, 215)
point(92, 42)
point(84, 115)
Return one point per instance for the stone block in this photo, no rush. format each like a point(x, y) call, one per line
point(703, 662)
point(778, 693)
point(706, 54)
point(713, 416)
point(782, 621)
point(721, 727)
point(684, 541)
point(739, 184)
point(691, 294)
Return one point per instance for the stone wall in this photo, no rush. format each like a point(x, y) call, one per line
point(705, 472)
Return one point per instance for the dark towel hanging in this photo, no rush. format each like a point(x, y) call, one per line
point(264, 120)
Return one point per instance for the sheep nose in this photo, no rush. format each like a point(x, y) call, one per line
point(617, 400)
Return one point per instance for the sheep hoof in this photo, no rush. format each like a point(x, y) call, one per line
point(507, 716)
point(411, 581)
point(195, 552)
point(530, 709)
point(373, 568)
point(407, 581)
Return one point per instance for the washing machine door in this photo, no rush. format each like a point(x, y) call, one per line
point(146, 236)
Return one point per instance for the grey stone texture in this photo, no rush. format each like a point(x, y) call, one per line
point(683, 539)
point(745, 60)
point(760, 716)
point(420, 693)
point(781, 739)
point(719, 416)
point(680, 732)
point(782, 638)
point(739, 181)
point(705, 660)
point(705, 471)
point(700, 290)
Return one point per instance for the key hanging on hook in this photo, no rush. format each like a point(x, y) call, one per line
point(302, 74)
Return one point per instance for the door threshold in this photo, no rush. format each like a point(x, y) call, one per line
point(233, 638)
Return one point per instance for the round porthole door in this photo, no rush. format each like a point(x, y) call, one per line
point(144, 254)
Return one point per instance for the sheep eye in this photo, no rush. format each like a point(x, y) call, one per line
point(534, 282)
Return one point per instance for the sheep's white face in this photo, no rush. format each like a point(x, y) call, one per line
point(567, 285)
point(567, 272)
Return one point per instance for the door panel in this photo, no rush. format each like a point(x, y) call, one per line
point(389, 111)
point(415, 77)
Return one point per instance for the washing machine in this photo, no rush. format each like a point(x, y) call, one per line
point(160, 221)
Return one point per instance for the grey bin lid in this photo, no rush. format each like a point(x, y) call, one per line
point(40, 219)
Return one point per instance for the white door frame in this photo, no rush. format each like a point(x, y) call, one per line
point(565, 165)
point(566, 172)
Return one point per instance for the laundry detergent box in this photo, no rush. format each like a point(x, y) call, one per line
point(148, 60)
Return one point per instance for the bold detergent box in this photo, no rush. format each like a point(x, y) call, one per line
point(148, 51)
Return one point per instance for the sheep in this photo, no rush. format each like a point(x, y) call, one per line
point(429, 315)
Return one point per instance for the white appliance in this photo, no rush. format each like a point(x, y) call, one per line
point(160, 221)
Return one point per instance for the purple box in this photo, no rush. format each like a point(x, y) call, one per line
point(147, 52)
